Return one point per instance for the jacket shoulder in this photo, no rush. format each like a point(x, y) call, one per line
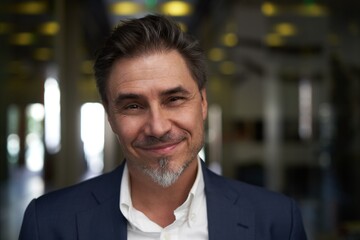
point(82, 195)
point(274, 215)
point(261, 199)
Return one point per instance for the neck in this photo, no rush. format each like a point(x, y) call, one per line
point(159, 203)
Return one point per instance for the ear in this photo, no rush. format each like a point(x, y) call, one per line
point(204, 104)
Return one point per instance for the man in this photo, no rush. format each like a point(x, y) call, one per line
point(151, 79)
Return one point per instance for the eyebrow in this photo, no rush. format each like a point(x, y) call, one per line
point(175, 90)
point(126, 96)
point(133, 96)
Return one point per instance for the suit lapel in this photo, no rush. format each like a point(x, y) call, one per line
point(105, 220)
point(230, 216)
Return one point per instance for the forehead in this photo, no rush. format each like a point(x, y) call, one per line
point(151, 72)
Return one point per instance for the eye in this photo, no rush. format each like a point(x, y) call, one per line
point(176, 98)
point(132, 106)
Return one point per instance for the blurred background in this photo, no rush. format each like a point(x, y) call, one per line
point(283, 92)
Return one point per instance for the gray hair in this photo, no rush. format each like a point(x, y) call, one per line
point(147, 35)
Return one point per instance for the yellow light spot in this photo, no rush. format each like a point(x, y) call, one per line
point(274, 40)
point(228, 68)
point(230, 39)
point(313, 10)
point(22, 39)
point(268, 9)
point(216, 54)
point(31, 7)
point(176, 8)
point(126, 8)
point(286, 29)
point(49, 28)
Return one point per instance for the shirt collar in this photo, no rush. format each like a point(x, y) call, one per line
point(195, 197)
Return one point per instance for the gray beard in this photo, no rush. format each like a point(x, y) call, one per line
point(164, 176)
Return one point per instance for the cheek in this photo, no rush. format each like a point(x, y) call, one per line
point(191, 120)
point(126, 129)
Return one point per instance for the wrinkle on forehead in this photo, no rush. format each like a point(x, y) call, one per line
point(141, 73)
point(131, 65)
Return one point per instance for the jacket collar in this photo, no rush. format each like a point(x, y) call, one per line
point(104, 220)
point(229, 213)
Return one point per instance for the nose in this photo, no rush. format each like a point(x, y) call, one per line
point(158, 122)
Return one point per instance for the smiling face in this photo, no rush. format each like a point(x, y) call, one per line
point(157, 112)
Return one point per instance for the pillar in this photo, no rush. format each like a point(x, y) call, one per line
point(273, 162)
point(69, 164)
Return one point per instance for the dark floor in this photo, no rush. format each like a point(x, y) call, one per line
point(15, 194)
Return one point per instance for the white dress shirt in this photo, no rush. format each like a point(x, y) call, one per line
point(190, 218)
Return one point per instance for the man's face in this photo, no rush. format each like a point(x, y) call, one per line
point(157, 112)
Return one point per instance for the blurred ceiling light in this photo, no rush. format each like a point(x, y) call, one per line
point(274, 40)
point(176, 8)
point(31, 7)
point(230, 39)
point(228, 67)
point(49, 28)
point(312, 10)
point(308, 10)
point(286, 29)
point(42, 54)
point(22, 39)
point(269, 9)
point(216, 54)
point(126, 8)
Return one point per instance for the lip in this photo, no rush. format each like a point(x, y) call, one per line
point(164, 149)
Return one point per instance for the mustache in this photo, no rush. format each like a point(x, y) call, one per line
point(151, 141)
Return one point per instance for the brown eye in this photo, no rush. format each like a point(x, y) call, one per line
point(132, 106)
point(176, 98)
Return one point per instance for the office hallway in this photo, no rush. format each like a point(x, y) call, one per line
point(16, 193)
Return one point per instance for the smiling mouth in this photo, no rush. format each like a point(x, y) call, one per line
point(161, 146)
point(161, 149)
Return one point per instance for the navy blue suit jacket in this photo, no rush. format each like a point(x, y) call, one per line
point(90, 210)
